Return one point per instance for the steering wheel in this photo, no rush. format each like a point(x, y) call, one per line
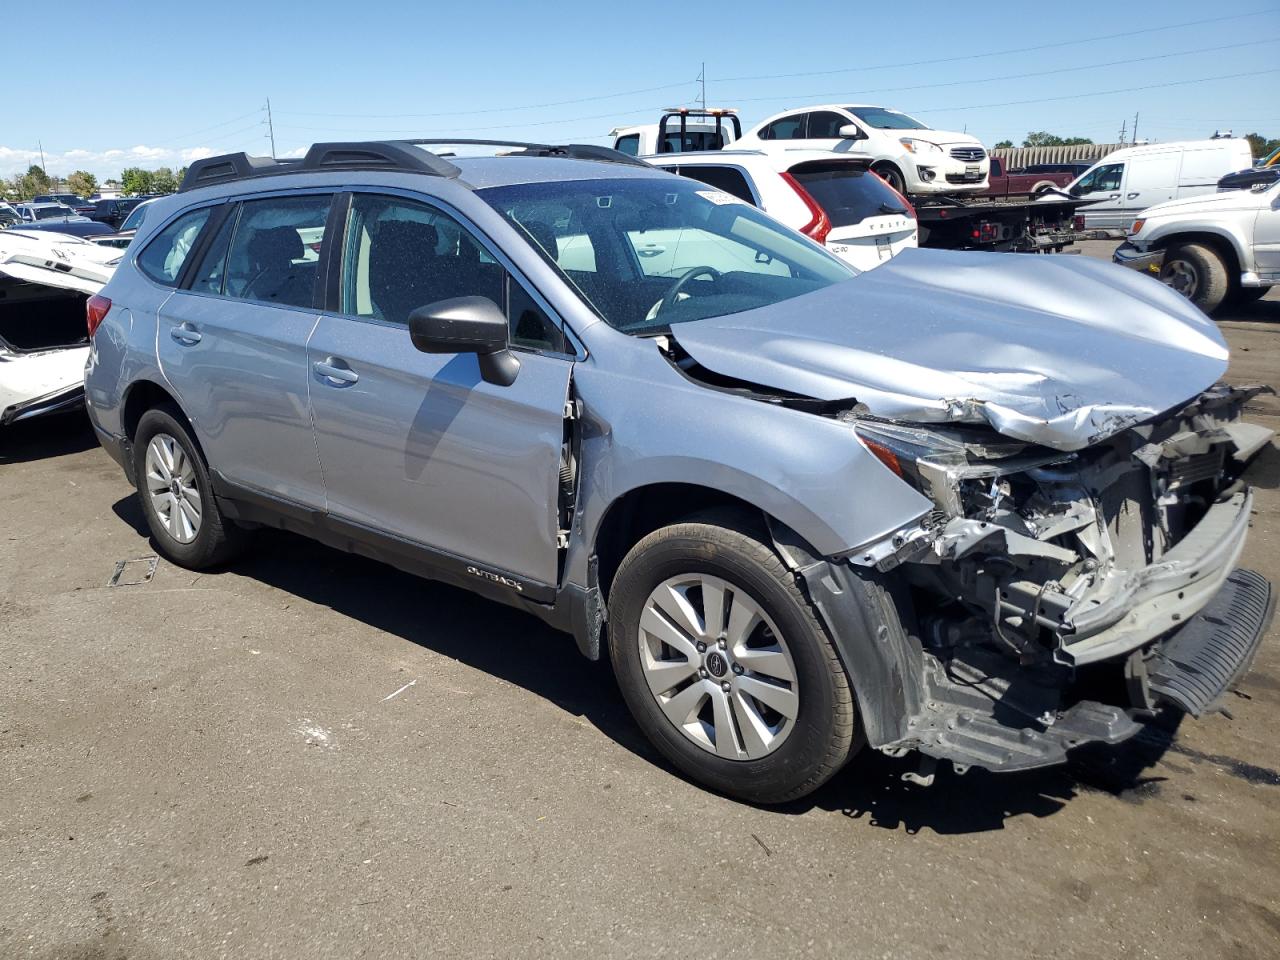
point(679, 285)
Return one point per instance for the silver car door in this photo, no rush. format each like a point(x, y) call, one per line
point(418, 447)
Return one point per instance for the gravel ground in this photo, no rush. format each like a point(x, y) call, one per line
point(312, 755)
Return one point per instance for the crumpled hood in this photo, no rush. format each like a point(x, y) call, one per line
point(940, 137)
point(1056, 350)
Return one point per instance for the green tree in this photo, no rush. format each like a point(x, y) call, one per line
point(34, 181)
point(82, 183)
point(1260, 145)
point(1004, 144)
point(1042, 138)
point(163, 181)
point(135, 180)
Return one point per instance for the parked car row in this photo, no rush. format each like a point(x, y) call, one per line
point(803, 508)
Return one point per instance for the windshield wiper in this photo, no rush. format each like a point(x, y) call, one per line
point(886, 208)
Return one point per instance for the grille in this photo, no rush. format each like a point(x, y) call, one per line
point(968, 153)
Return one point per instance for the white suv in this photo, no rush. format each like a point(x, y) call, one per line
point(836, 201)
point(1211, 248)
point(912, 158)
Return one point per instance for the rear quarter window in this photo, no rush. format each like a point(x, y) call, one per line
point(162, 258)
point(728, 179)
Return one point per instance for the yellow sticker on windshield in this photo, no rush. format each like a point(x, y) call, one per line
point(718, 197)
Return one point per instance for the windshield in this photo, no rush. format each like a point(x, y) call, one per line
point(649, 253)
point(51, 213)
point(884, 119)
point(134, 220)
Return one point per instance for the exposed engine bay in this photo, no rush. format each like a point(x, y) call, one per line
point(1054, 590)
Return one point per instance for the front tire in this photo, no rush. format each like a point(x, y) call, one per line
point(724, 665)
point(892, 176)
point(1198, 273)
point(187, 526)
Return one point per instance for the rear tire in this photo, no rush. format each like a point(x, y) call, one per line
point(187, 526)
point(1198, 273)
point(733, 597)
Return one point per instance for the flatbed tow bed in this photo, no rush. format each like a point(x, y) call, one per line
point(964, 223)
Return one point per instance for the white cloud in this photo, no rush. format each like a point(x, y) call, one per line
point(104, 164)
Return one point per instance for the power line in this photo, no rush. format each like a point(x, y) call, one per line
point(462, 113)
point(500, 126)
point(187, 136)
point(994, 53)
point(1096, 93)
point(1008, 76)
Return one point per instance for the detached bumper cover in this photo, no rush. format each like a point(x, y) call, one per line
point(1196, 666)
point(67, 398)
point(1127, 255)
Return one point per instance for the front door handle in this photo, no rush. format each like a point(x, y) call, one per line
point(186, 334)
point(335, 371)
point(1114, 196)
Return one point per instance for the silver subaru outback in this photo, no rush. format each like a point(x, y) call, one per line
point(979, 506)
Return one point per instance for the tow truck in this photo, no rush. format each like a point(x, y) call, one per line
point(946, 221)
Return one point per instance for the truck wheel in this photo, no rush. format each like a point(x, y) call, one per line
point(892, 176)
point(1040, 189)
point(173, 484)
point(1198, 273)
point(724, 664)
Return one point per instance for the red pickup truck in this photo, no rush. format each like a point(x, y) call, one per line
point(1006, 183)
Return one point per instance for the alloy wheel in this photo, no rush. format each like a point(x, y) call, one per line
point(171, 485)
point(718, 667)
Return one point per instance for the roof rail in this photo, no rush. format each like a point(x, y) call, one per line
point(402, 155)
point(572, 151)
point(354, 155)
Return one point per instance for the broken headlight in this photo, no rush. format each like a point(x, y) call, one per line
point(936, 460)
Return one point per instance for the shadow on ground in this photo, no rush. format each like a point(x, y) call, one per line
point(46, 437)
point(523, 651)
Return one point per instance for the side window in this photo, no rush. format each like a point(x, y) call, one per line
point(630, 144)
point(1102, 179)
point(402, 254)
point(276, 249)
point(787, 128)
point(825, 125)
point(163, 257)
point(729, 180)
point(212, 269)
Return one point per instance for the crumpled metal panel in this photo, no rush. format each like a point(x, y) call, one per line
point(1060, 350)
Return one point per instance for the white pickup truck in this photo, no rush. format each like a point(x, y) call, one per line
point(1211, 247)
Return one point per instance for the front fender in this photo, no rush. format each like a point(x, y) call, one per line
point(804, 470)
point(1164, 236)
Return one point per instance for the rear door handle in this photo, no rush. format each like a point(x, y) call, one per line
point(335, 371)
point(186, 334)
point(1132, 195)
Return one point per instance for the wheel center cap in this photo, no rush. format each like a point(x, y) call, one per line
point(717, 665)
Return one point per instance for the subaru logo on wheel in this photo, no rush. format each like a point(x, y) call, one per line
point(717, 666)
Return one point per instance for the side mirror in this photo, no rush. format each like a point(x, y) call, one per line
point(1075, 191)
point(850, 131)
point(467, 325)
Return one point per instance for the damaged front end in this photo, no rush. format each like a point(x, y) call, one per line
point(1062, 597)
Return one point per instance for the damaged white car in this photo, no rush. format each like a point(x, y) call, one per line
point(45, 281)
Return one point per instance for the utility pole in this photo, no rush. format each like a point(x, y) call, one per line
point(702, 79)
point(1135, 126)
point(40, 144)
point(1124, 129)
point(271, 130)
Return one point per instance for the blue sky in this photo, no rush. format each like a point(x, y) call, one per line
point(183, 83)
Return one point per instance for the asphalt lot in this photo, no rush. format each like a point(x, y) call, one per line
point(231, 764)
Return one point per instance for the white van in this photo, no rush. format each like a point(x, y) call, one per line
point(1126, 182)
